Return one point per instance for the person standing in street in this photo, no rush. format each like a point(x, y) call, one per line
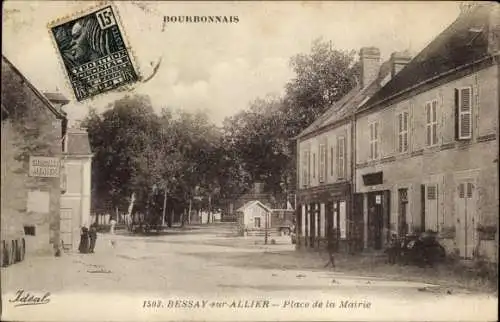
point(84, 241)
point(331, 248)
point(93, 237)
point(113, 224)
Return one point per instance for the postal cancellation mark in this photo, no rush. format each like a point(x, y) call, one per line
point(94, 53)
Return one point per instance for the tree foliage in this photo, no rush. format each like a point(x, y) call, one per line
point(262, 137)
point(185, 156)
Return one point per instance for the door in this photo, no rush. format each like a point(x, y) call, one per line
point(358, 230)
point(67, 228)
point(402, 213)
point(375, 220)
point(466, 221)
point(313, 224)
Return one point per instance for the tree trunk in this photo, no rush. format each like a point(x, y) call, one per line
point(189, 211)
point(209, 209)
point(164, 209)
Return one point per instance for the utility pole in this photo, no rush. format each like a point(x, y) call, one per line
point(266, 226)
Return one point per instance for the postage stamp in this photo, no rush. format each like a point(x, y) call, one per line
point(94, 53)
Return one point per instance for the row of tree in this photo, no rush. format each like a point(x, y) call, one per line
point(184, 157)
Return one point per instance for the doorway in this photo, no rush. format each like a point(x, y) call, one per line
point(466, 221)
point(357, 231)
point(402, 213)
point(378, 218)
point(66, 228)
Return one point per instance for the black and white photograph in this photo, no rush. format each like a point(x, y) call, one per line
point(250, 160)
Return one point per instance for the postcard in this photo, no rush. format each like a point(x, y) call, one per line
point(249, 161)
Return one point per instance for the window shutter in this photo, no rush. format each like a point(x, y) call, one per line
point(465, 114)
point(461, 190)
point(470, 186)
point(332, 157)
point(457, 98)
point(428, 127)
point(400, 132)
point(322, 157)
point(405, 137)
point(304, 168)
point(314, 165)
point(308, 168)
point(341, 158)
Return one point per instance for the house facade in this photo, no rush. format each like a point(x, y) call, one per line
point(32, 129)
point(427, 147)
point(76, 196)
point(253, 216)
point(325, 161)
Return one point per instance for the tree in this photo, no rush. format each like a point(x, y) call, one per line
point(323, 77)
point(126, 156)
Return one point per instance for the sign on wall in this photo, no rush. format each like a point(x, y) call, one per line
point(47, 167)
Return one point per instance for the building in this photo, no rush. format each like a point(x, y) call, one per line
point(76, 197)
point(257, 192)
point(430, 157)
point(253, 216)
point(32, 129)
point(326, 156)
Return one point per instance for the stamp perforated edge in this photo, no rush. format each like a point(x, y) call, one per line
point(128, 47)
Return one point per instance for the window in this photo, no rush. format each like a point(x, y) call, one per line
point(322, 163)
point(402, 132)
point(257, 222)
point(341, 157)
point(431, 208)
point(431, 123)
point(374, 129)
point(331, 160)
point(463, 113)
point(30, 230)
point(314, 165)
point(305, 168)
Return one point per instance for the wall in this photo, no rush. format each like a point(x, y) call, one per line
point(313, 145)
point(38, 133)
point(445, 163)
point(255, 211)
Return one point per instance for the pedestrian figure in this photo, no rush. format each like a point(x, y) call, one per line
point(93, 237)
point(113, 224)
point(84, 241)
point(331, 248)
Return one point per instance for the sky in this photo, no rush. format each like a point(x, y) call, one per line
point(219, 68)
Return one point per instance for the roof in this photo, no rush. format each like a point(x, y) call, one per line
point(348, 104)
point(56, 111)
point(56, 97)
point(253, 203)
point(78, 142)
point(472, 37)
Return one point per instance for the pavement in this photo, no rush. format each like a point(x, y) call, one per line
point(204, 273)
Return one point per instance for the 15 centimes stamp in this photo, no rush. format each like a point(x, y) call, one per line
point(93, 51)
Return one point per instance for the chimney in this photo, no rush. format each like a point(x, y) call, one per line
point(370, 64)
point(258, 188)
point(57, 99)
point(398, 61)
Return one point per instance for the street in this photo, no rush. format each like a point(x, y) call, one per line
point(186, 275)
